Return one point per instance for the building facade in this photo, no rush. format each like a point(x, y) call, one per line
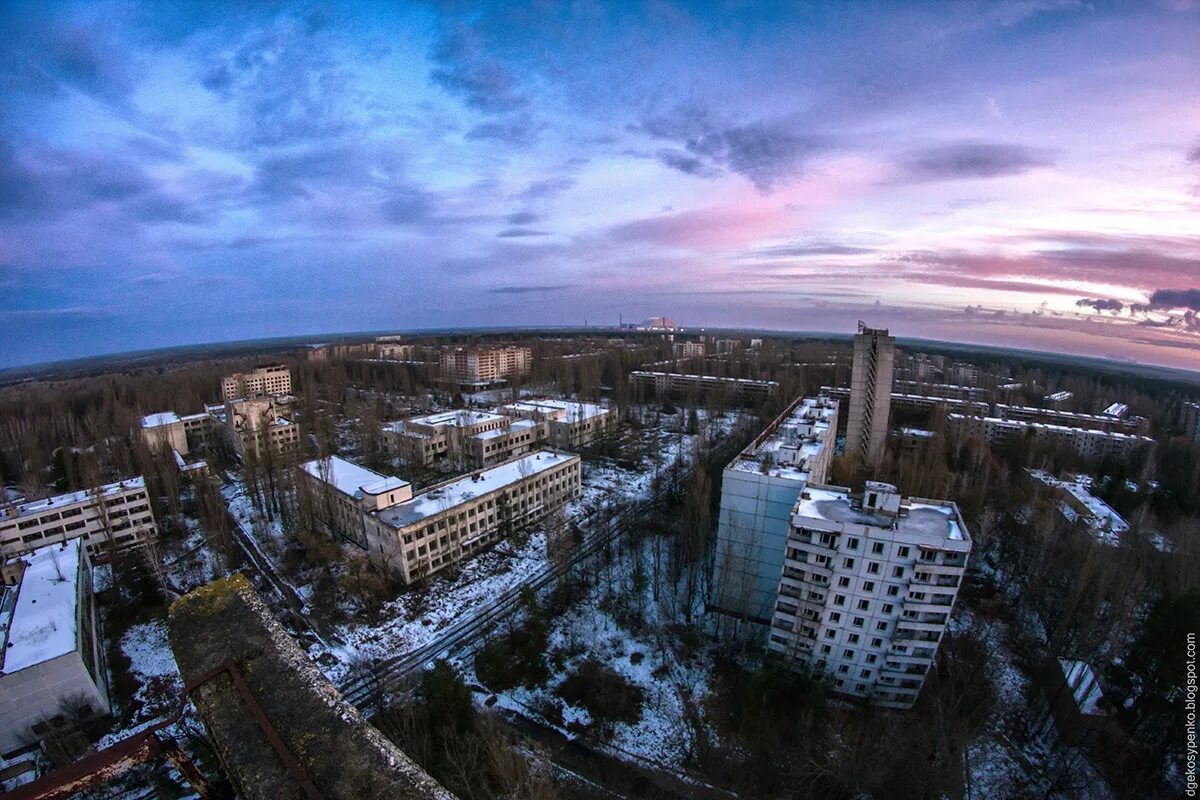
point(569, 425)
point(52, 669)
point(254, 424)
point(275, 379)
point(414, 536)
point(867, 588)
point(706, 387)
point(423, 440)
point(1074, 419)
point(115, 516)
point(870, 393)
point(482, 365)
point(689, 349)
point(759, 488)
point(1087, 442)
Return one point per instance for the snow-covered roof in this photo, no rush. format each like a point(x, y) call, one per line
point(574, 411)
point(1085, 688)
point(917, 433)
point(925, 518)
point(70, 498)
point(1104, 521)
point(791, 440)
point(162, 418)
point(444, 496)
point(695, 377)
point(457, 418)
point(41, 623)
point(350, 478)
point(1060, 396)
point(1116, 410)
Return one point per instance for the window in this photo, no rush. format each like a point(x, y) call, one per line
point(853, 639)
point(847, 653)
point(893, 591)
point(848, 563)
point(839, 599)
point(843, 668)
point(871, 659)
point(825, 649)
point(888, 608)
point(852, 543)
point(835, 617)
point(829, 633)
point(881, 626)
point(858, 622)
point(843, 582)
point(873, 567)
point(898, 572)
point(876, 642)
point(866, 673)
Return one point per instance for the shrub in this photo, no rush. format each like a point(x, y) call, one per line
point(606, 694)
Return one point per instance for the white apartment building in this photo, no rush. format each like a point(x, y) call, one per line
point(689, 349)
point(116, 515)
point(1088, 443)
point(425, 439)
point(1074, 419)
point(1075, 501)
point(868, 585)
point(50, 654)
point(570, 425)
point(870, 393)
point(274, 379)
point(759, 489)
point(417, 535)
point(483, 365)
point(920, 402)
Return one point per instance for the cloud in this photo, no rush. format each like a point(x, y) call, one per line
point(546, 188)
point(518, 233)
point(1100, 304)
point(556, 287)
point(1193, 155)
point(483, 82)
point(970, 160)
point(766, 152)
point(804, 249)
point(517, 129)
point(522, 218)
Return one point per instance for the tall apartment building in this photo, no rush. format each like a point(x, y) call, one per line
point(415, 535)
point(689, 349)
point(1191, 421)
point(482, 365)
point(870, 393)
point(868, 585)
point(50, 652)
point(1087, 442)
point(759, 488)
point(275, 379)
point(116, 515)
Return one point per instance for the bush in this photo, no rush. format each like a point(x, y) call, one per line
point(606, 694)
point(517, 658)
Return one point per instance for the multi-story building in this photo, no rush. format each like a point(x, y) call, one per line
point(415, 535)
point(483, 365)
point(425, 439)
point(1059, 399)
point(1074, 419)
point(919, 402)
point(963, 373)
point(688, 349)
point(759, 488)
point(275, 379)
point(868, 585)
point(1087, 442)
point(116, 516)
point(256, 423)
point(870, 393)
point(569, 425)
point(678, 384)
point(51, 660)
point(723, 346)
point(1191, 421)
point(1074, 499)
point(949, 390)
point(165, 429)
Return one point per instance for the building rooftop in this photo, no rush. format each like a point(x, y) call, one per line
point(791, 440)
point(703, 377)
point(1085, 688)
point(350, 478)
point(162, 418)
point(1102, 518)
point(1020, 423)
point(38, 617)
point(1060, 396)
point(444, 496)
point(926, 518)
point(575, 411)
point(70, 498)
point(1116, 410)
point(516, 426)
point(458, 418)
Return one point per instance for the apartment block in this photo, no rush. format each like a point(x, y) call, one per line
point(116, 515)
point(425, 439)
point(569, 425)
point(689, 349)
point(1087, 442)
point(948, 390)
point(415, 535)
point(51, 658)
point(1101, 422)
point(1191, 421)
point(724, 346)
point(483, 365)
point(867, 588)
point(870, 393)
point(919, 402)
point(759, 489)
point(275, 379)
point(1074, 499)
point(253, 424)
point(707, 387)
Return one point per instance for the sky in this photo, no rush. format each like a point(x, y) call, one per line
point(1021, 173)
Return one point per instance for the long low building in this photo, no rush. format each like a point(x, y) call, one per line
point(415, 535)
point(681, 384)
point(1074, 419)
point(113, 516)
point(1087, 442)
point(51, 659)
point(922, 402)
point(1076, 503)
point(569, 424)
